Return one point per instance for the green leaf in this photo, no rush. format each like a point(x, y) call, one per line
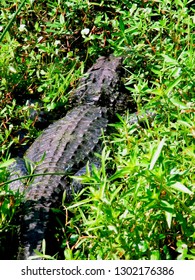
point(68, 254)
point(7, 163)
point(171, 85)
point(62, 19)
point(184, 123)
point(170, 60)
point(44, 246)
point(120, 173)
point(178, 103)
point(168, 216)
point(113, 228)
point(12, 69)
point(180, 187)
point(157, 154)
point(121, 24)
point(155, 255)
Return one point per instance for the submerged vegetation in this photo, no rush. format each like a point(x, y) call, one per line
point(139, 204)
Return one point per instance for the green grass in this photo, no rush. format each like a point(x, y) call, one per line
point(140, 203)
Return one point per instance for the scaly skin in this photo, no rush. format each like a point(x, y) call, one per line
point(67, 145)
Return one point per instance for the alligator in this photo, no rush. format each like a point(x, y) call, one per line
point(65, 147)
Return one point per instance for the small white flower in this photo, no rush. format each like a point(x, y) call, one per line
point(22, 28)
point(57, 42)
point(85, 32)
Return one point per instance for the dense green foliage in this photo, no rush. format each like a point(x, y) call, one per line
point(140, 203)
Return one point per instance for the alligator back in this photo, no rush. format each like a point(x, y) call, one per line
point(65, 146)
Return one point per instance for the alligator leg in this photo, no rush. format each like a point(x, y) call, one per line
point(75, 186)
point(142, 119)
point(17, 170)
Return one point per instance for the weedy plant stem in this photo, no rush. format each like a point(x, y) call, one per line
point(11, 20)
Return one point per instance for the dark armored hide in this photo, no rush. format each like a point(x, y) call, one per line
point(65, 146)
